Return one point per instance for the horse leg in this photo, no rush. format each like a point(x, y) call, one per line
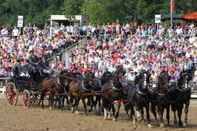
point(51, 102)
point(99, 104)
point(41, 101)
point(95, 102)
point(90, 103)
point(73, 103)
point(85, 107)
point(142, 114)
point(113, 111)
point(131, 113)
point(67, 100)
point(77, 105)
point(135, 114)
point(174, 113)
point(168, 114)
point(105, 114)
point(186, 112)
point(117, 110)
point(57, 102)
point(153, 110)
point(148, 115)
point(180, 107)
point(160, 112)
point(17, 96)
point(127, 108)
point(63, 101)
point(107, 105)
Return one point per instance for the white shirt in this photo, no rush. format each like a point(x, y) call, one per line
point(15, 32)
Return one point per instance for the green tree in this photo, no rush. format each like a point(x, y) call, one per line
point(95, 11)
point(98, 11)
point(72, 7)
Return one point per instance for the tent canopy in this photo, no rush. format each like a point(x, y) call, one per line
point(190, 16)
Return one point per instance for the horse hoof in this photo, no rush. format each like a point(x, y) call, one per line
point(180, 124)
point(162, 125)
point(72, 109)
point(134, 123)
point(184, 124)
point(140, 120)
point(149, 126)
point(25, 108)
point(175, 124)
point(109, 117)
point(114, 119)
point(77, 112)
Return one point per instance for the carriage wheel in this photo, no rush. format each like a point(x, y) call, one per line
point(26, 98)
point(11, 93)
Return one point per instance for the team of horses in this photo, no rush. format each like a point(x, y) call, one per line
point(107, 94)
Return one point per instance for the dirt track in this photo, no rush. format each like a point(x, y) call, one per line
point(36, 119)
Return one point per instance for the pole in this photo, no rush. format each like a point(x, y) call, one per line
point(51, 27)
point(171, 12)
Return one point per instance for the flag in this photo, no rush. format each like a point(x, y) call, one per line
point(172, 6)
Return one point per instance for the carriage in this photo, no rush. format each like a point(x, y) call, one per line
point(25, 88)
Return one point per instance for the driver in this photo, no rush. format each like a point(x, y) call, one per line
point(37, 60)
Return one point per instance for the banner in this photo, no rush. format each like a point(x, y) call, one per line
point(20, 21)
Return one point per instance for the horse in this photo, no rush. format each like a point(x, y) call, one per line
point(138, 97)
point(113, 93)
point(91, 83)
point(161, 98)
point(50, 87)
point(44, 83)
point(181, 99)
point(64, 89)
point(75, 89)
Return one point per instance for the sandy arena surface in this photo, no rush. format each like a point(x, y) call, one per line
point(37, 119)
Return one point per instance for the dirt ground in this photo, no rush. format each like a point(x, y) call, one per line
point(37, 119)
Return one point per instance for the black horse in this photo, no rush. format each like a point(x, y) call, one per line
point(138, 97)
point(180, 97)
point(93, 84)
point(162, 100)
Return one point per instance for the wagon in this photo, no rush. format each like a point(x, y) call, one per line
point(15, 88)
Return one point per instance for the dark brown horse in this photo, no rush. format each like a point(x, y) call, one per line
point(49, 87)
point(75, 88)
point(112, 94)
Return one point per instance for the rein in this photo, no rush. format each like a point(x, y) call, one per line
point(71, 78)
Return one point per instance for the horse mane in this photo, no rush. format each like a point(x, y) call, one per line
point(106, 77)
point(182, 79)
point(140, 76)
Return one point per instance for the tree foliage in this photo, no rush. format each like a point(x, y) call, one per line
point(98, 11)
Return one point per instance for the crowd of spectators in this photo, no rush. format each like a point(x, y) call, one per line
point(149, 47)
point(16, 43)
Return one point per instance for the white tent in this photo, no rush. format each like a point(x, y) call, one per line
point(77, 19)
